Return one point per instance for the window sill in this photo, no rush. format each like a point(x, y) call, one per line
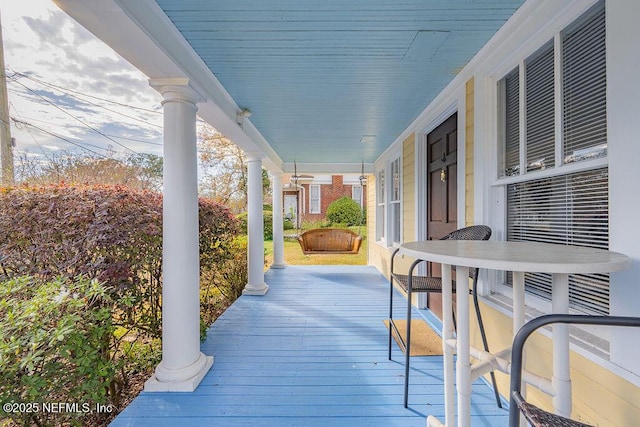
point(554, 171)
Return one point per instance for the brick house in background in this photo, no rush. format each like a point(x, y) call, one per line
point(314, 194)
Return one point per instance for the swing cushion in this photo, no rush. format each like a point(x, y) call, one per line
point(330, 241)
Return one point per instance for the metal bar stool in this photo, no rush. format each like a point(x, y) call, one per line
point(535, 416)
point(421, 284)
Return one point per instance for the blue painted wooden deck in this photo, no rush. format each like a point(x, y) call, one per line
point(312, 352)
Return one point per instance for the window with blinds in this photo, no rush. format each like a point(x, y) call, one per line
point(584, 88)
point(568, 209)
point(509, 93)
point(539, 107)
point(565, 208)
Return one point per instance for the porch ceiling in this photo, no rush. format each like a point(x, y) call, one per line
point(330, 84)
point(320, 77)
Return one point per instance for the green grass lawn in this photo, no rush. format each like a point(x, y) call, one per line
point(293, 254)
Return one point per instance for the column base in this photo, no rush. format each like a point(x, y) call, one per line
point(434, 422)
point(260, 289)
point(195, 373)
point(278, 266)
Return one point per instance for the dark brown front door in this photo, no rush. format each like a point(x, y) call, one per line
point(442, 208)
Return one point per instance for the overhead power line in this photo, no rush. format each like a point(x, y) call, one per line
point(55, 135)
point(78, 95)
point(144, 141)
point(71, 93)
point(65, 89)
point(35, 140)
point(74, 117)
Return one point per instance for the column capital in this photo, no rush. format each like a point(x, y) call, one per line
point(255, 156)
point(176, 90)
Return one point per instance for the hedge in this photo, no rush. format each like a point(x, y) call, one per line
point(112, 235)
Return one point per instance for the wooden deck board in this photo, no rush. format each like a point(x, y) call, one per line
point(312, 352)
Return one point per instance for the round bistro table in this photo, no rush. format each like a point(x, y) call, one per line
point(517, 257)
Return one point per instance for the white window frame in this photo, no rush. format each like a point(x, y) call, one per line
point(388, 216)
point(394, 213)
point(357, 192)
point(312, 208)
point(525, 36)
point(381, 197)
point(501, 180)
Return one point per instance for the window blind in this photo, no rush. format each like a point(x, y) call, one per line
point(570, 209)
point(584, 87)
point(539, 107)
point(395, 176)
point(510, 87)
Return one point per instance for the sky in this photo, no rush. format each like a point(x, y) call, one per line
point(69, 91)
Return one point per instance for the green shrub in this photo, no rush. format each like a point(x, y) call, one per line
point(54, 347)
point(267, 217)
point(268, 224)
point(243, 219)
point(287, 224)
point(345, 211)
point(227, 281)
point(139, 354)
point(235, 271)
point(113, 235)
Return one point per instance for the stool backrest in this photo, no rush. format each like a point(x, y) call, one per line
point(473, 232)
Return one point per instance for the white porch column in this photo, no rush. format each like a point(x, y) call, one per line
point(183, 365)
point(278, 232)
point(255, 227)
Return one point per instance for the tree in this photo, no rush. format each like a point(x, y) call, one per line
point(139, 171)
point(149, 170)
point(224, 170)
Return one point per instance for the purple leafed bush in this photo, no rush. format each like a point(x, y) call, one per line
point(111, 235)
